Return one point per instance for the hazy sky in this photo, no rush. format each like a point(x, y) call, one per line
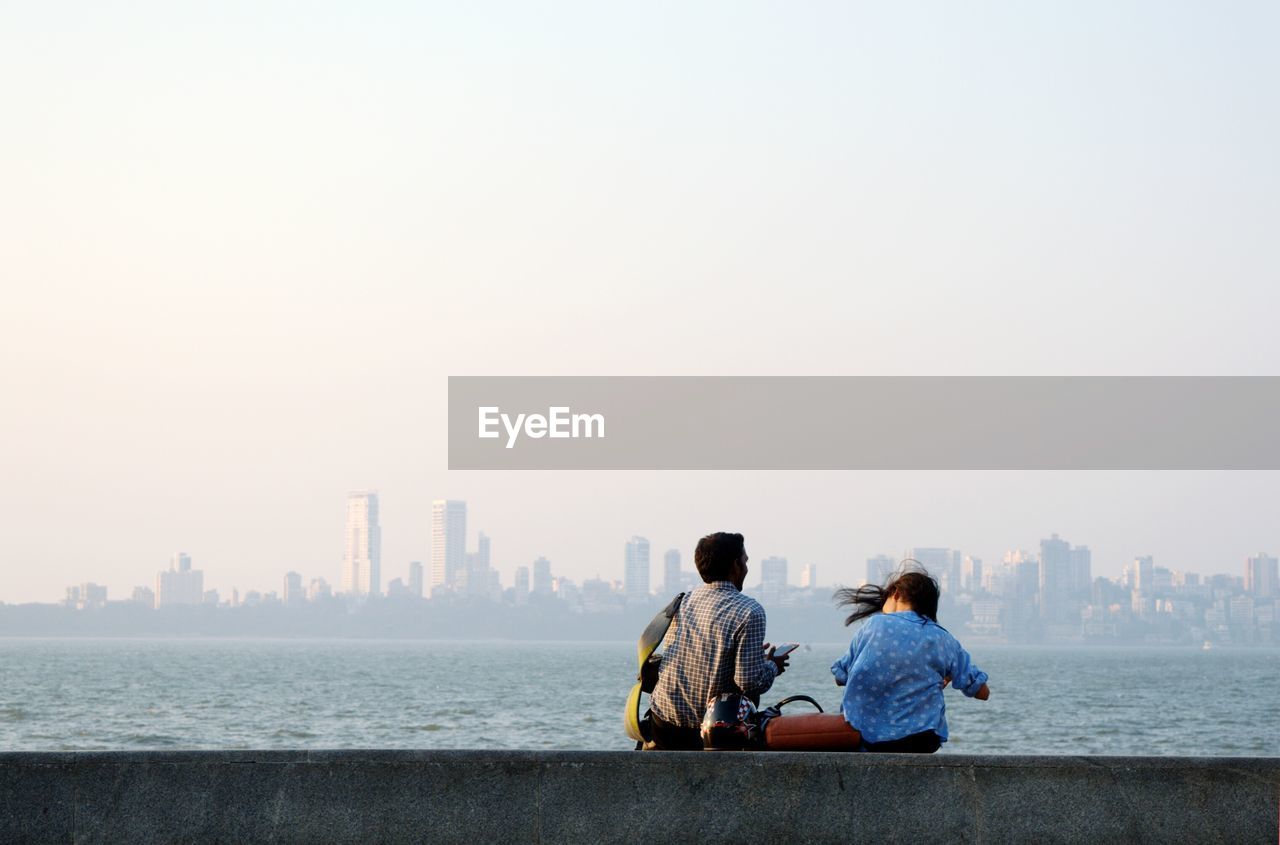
point(242, 245)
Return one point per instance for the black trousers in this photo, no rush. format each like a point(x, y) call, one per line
point(669, 737)
point(925, 742)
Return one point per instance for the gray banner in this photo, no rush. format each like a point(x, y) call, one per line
point(820, 422)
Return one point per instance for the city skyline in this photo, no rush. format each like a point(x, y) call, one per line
point(1198, 521)
point(1061, 570)
point(1047, 595)
point(1044, 596)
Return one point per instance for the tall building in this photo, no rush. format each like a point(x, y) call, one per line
point(415, 578)
point(773, 575)
point(448, 541)
point(1139, 575)
point(84, 596)
point(1065, 580)
point(942, 564)
point(541, 584)
point(809, 577)
point(971, 574)
point(1020, 589)
point(1261, 577)
point(1081, 570)
point(671, 580)
point(317, 590)
point(478, 572)
point(880, 568)
point(293, 593)
point(1055, 578)
point(181, 584)
point(636, 569)
point(362, 560)
point(522, 582)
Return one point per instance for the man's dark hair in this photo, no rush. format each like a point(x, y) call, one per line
point(716, 555)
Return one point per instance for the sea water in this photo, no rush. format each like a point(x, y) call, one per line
point(73, 694)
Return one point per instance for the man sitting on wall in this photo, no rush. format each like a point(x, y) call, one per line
point(716, 646)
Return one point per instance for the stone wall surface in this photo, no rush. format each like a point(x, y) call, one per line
point(605, 796)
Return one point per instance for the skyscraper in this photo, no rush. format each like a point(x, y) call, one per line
point(415, 578)
point(181, 584)
point(1055, 578)
point(971, 574)
point(1081, 570)
point(478, 571)
point(362, 562)
point(293, 588)
point(942, 564)
point(636, 569)
point(809, 576)
point(879, 568)
point(1261, 576)
point(1021, 592)
point(1140, 575)
point(317, 590)
point(773, 580)
point(1065, 580)
point(448, 541)
point(541, 584)
point(671, 580)
point(84, 596)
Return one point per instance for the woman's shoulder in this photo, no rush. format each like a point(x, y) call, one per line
point(876, 620)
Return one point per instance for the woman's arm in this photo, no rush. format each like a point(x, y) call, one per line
point(966, 677)
point(841, 668)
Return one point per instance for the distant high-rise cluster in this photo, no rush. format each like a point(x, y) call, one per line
point(1026, 596)
point(1052, 596)
point(86, 596)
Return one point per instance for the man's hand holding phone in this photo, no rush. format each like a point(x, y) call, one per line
point(780, 654)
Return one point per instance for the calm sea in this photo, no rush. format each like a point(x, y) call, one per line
point(61, 694)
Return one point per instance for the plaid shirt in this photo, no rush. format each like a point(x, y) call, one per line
point(716, 645)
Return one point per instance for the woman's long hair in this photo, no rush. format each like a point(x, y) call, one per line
point(912, 584)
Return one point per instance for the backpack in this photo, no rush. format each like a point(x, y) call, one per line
point(636, 726)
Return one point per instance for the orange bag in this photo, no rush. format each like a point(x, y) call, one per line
point(811, 732)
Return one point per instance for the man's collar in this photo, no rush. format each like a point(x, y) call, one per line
point(722, 585)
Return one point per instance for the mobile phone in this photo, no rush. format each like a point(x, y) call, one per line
point(783, 649)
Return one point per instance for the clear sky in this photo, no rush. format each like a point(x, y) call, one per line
point(242, 245)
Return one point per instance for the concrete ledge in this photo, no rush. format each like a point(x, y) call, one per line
point(605, 796)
